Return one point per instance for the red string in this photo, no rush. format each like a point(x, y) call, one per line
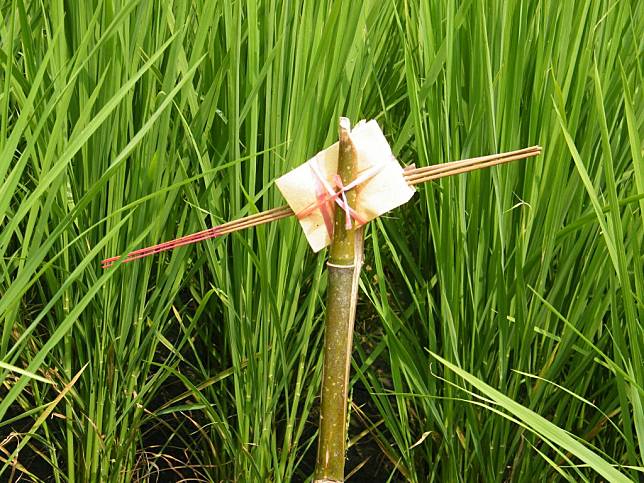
point(323, 199)
point(327, 193)
point(345, 202)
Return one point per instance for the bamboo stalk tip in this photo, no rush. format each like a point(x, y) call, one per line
point(345, 123)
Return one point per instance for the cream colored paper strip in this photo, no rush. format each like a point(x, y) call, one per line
point(380, 193)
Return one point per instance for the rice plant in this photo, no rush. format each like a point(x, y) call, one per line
point(499, 332)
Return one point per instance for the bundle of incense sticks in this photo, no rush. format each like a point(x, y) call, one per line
point(413, 177)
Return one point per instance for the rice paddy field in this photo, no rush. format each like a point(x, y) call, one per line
point(500, 328)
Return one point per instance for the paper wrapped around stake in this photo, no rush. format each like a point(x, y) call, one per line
point(380, 193)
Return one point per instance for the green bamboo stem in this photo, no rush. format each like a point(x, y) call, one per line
point(345, 262)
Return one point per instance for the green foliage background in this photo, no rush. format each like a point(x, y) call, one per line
point(499, 334)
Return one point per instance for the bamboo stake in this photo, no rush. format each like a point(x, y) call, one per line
point(345, 262)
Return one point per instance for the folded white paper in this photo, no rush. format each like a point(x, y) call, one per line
point(380, 193)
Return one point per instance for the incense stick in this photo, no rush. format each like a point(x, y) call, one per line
point(413, 176)
point(429, 173)
point(219, 230)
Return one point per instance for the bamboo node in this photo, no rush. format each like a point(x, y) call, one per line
point(336, 265)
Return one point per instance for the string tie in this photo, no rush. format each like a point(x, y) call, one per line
point(326, 194)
